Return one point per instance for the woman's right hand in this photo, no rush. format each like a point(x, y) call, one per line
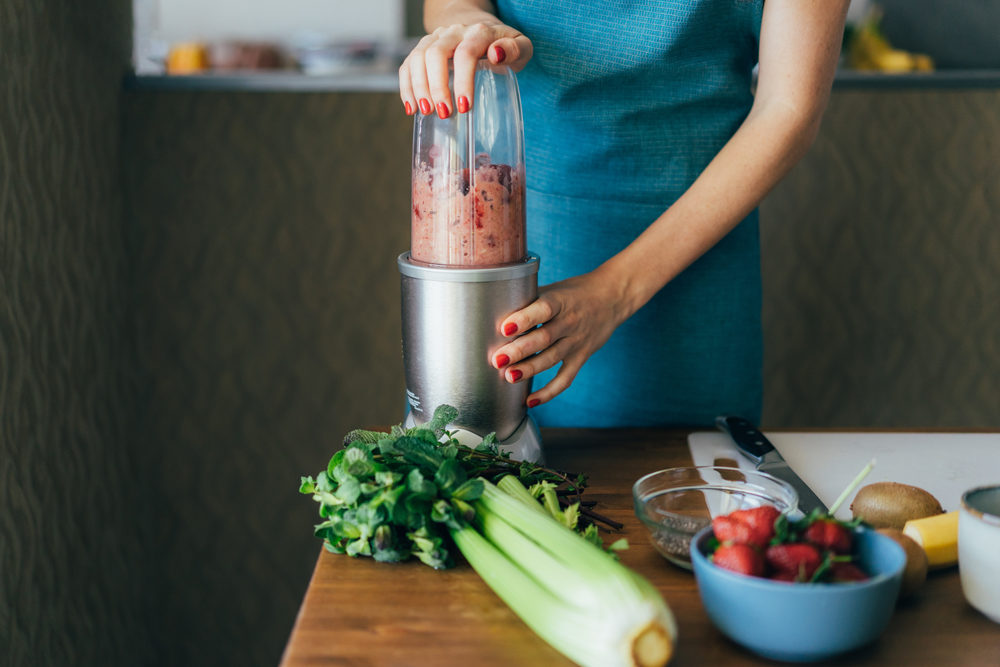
point(423, 76)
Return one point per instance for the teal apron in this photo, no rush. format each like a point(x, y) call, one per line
point(625, 103)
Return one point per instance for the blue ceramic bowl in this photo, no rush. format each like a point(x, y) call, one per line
point(798, 622)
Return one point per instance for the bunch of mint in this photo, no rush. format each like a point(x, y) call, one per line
point(394, 495)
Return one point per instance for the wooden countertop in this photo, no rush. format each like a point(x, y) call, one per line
point(359, 612)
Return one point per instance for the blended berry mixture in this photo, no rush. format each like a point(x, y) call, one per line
point(461, 223)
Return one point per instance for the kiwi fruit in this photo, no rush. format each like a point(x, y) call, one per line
point(915, 572)
point(891, 505)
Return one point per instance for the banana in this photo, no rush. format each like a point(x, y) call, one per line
point(868, 50)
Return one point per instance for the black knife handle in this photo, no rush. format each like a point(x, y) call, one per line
point(746, 435)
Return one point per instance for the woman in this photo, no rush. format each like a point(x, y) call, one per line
point(647, 156)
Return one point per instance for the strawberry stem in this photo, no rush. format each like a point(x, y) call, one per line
point(851, 487)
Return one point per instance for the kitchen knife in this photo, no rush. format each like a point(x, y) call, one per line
point(752, 444)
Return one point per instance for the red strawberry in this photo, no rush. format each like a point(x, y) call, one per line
point(761, 521)
point(798, 558)
point(739, 558)
point(847, 572)
point(829, 534)
point(728, 529)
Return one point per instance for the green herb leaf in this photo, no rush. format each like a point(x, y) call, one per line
point(307, 485)
point(349, 490)
point(449, 476)
point(363, 436)
point(443, 415)
point(419, 486)
point(324, 482)
point(335, 463)
point(470, 490)
point(621, 544)
point(571, 515)
point(358, 462)
point(591, 535)
point(419, 452)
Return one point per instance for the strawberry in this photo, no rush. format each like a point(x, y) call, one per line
point(761, 522)
point(740, 558)
point(847, 572)
point(798, 558)
point(730, 530)
point(829, 534)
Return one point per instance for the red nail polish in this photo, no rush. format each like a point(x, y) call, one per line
point(515, 375)
point(463, 104)
point(425, 106)
point(533, 402)
point(500, 54)
point(502, 360)
point(509, 329)
point(408, 108)
point(443, 110)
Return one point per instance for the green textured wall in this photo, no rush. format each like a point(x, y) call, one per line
point(265, 230)
point(881, 266)
point(76, 579)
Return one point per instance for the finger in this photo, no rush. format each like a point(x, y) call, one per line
point(531, 366)
point(418, 75)
point(436, 59)
point(514, 51)
point(557, 385)
point(536, 341)
point(538, 312)
point(406, 89)
point(475, 42)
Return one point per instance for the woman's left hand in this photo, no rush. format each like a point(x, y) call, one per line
point(568, 322)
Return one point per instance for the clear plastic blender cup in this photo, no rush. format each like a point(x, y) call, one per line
point(468, 179)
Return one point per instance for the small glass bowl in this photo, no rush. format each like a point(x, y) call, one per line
point(676, 503)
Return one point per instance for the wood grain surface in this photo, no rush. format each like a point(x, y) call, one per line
point(358, 612)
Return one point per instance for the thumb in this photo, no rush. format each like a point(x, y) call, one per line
point(514, 51)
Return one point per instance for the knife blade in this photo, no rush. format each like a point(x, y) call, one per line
point(754, 446)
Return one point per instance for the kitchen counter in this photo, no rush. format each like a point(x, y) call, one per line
point(356, 611)
point(385, 80)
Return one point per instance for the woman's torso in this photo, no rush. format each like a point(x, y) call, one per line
point(625, 103)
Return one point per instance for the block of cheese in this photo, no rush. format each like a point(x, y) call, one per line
point(938, 535)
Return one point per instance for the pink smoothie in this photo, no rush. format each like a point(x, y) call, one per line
point(461, 224)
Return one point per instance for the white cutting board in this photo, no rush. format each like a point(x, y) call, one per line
point(945, 464)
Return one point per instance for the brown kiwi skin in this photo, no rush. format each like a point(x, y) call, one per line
point(915, 572)
point(891, 504)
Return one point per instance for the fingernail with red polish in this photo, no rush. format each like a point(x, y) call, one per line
point(515, 375)
point(509, 329)
point(533, 402)
point(408, 108)
point(463, 104)
point(502, 360)
point(500, 54)
point(443, 111)
point(425, 106)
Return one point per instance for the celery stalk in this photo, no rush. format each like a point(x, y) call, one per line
point(512, 486)
point(571, 593)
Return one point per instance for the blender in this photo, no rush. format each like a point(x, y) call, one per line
point(468, 267)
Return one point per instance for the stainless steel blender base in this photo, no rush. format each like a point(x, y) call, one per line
point(524, 444)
